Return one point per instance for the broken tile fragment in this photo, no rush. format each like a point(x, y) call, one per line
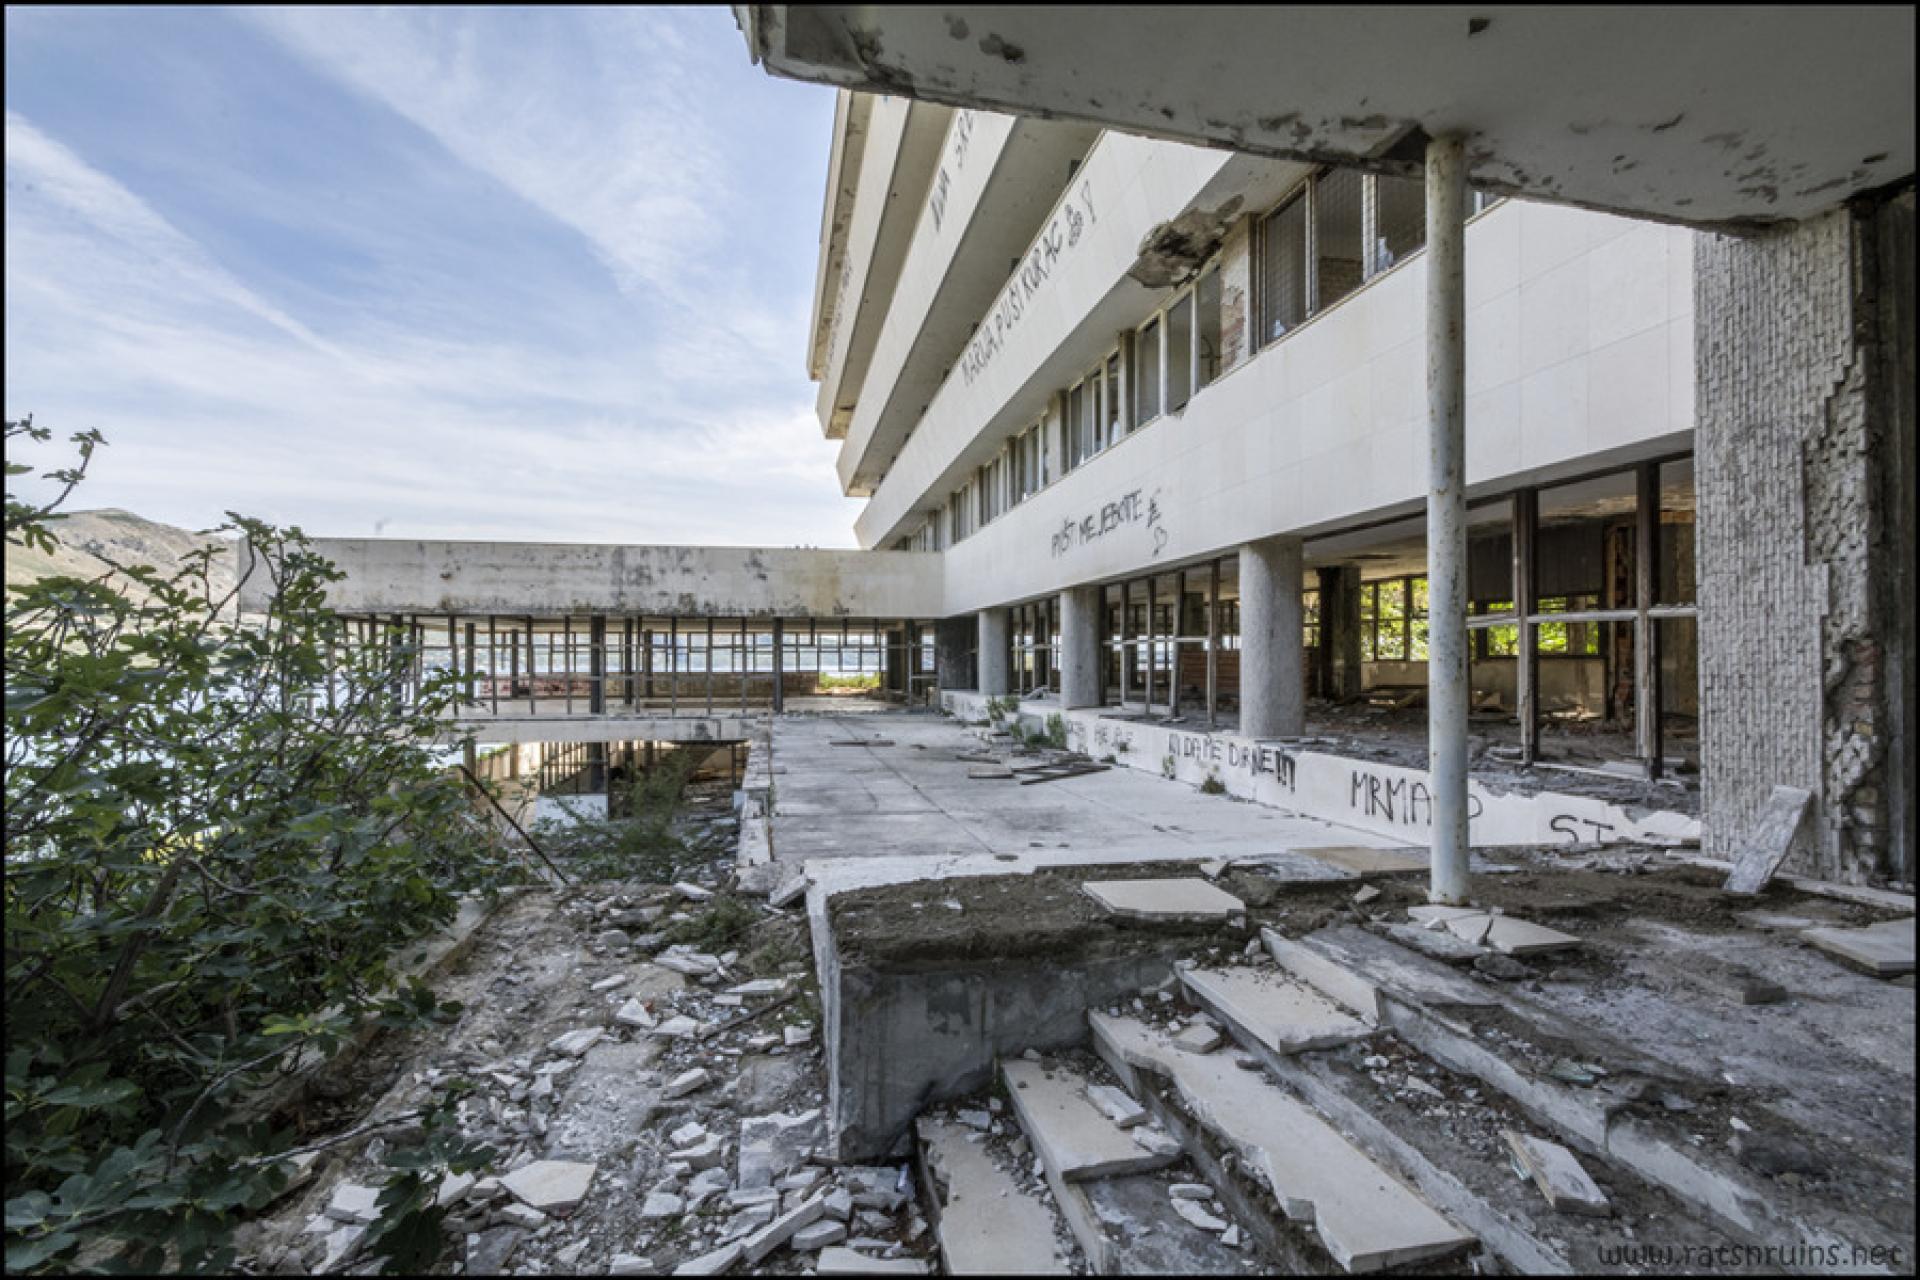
point(1558, 1174)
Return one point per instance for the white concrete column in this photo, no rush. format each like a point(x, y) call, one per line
point(1080, 680)
point(1447, 677)
point(992, 656)
point(1272, 674)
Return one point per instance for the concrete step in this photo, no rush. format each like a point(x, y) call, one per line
point(986, 1222)
point(1610, 1116)
point(1365, 1217)
point(1279, 1010)
point(1109, 1183)
point(1073, 1136)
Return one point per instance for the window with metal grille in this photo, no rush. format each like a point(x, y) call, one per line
point(1337, 253)
point(1400, 219)
point(1283, 269)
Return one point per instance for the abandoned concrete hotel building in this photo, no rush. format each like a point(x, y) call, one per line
point(1143, 425)
point(1470, 438)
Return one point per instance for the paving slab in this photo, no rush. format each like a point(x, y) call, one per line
point(1523, 938)
point(1172, 899)
point(1884, 949)
point(1558, 1174)
point(1074, 1139)
point(1366, 1218)
point(988, 1225)
point(1278, 1009)
point(1780, 821)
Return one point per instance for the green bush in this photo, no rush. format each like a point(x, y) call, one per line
point(218, 831)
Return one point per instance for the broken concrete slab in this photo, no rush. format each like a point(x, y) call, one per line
point(812, 1239)
point(841, 1261)
point(1363, 1214)
point(719, 1262)
point(634, 1013)
point(987, 1224)
point(351, 1203)
point(1277, 1009)
point(1193, 1211)
point(774, 1145)
point(575, 1043)
point(1181, 899)
point(1441, 946)
point(1884, 949)
point(1072, 1137)
point(687, 1082)
point(1558, 1174)
point(1362, 860)
point(1521, 938)
point(988, 771)
point(554, 1187)
point(1780, 821)
point(782, 1229)
point(1199, 1037)
point(1116, 1105)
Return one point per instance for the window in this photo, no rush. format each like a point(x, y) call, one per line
point(1078, 424)
point(1111, 402)
point(1310, 619)
point(1393, 620)
point(1283, 269)
point(1336, 236)
point(1146, 374)
point(1400, 220)
point(1180, 353)
point(1207, 352)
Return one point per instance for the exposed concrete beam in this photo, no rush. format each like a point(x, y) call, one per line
point(392, 576)
point(1704, 115)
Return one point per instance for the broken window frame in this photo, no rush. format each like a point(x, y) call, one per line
point(1527, 611)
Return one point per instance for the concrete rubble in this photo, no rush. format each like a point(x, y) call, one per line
point(1275, 1071)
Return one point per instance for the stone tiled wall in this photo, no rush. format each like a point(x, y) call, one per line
point(1795, 560)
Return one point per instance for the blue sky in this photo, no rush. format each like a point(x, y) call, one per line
point(500, 273)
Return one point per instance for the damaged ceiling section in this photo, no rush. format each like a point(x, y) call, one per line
point(1709, 140)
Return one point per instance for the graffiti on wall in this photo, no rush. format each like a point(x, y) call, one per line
point(1233, 754)
point(1130, 509)
point(1063, 232)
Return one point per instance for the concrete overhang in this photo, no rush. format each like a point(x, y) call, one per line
point(544, 580)
point(850, 113)
point(1720, 118)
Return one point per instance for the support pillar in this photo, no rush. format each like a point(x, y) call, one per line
point(1340, 671)
point(1447, 675)
point(779, 666)
point(993, 655)
point(1080, 680)
point(1272, 653)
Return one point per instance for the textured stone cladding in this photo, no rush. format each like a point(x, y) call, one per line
point(1793, 559)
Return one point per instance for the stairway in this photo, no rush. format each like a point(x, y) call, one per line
point(1363, 1116)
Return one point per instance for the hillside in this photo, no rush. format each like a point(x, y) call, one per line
point(90, 539)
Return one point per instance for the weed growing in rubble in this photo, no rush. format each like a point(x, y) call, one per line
point(1212, 786)
point(642, 845)
point(722, 920)
point(218, 831)
point(1057, 731)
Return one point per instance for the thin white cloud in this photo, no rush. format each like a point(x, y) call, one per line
point(213, 398)
point(645, 193)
